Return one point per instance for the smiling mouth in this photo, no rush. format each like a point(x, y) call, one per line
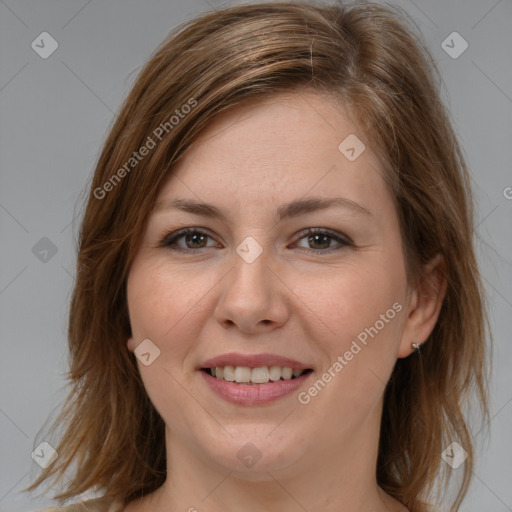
point(259, 375)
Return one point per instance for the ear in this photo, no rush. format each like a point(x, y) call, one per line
point(424, 305)
point(130, 344)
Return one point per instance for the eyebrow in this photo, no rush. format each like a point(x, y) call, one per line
point(285, 211)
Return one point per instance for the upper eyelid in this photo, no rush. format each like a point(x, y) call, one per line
point(178, 234)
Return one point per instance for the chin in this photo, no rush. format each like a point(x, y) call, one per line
point(252, 455)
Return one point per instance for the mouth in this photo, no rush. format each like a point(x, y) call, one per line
point(254, 379)
point(259, 375)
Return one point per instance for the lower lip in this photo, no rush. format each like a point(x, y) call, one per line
point(254, 394)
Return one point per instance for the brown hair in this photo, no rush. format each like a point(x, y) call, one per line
point(370, 60)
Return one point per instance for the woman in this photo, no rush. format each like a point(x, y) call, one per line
point(277, 303)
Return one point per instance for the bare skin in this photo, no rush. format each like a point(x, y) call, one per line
point(291, 301)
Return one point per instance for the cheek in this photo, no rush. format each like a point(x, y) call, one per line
point(355, 297)
point(360, 355)
point(363, 306)
point(160, 297)
point(161, 303)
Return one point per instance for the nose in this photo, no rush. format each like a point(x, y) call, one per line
point(252, 297)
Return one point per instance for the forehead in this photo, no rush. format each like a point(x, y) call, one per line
point(272, 125)
point(287, 144)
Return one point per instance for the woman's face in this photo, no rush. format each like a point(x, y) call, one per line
point(252, 285)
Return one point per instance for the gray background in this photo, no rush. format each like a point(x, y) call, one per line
point(55, 114)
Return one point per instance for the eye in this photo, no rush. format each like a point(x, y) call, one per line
point(192, 237)
point(322, 238)
point(195, 239)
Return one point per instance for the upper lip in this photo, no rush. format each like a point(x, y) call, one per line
point(253, 361)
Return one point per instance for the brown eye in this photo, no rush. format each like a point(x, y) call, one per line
point(320, 241)
point(192, 238)
point(323, 241)
point(195, 239)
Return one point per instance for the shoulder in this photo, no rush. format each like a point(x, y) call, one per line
point(95, 505)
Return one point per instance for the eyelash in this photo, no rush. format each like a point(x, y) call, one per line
point(169, 240)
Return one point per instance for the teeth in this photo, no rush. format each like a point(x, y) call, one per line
point(286, 373)
point(275, 372)
point(242, 374)
point(228, 373)
point(260, 375)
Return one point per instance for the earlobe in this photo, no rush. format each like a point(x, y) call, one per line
point(130, 344)
point(424, 306)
